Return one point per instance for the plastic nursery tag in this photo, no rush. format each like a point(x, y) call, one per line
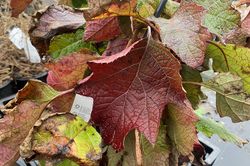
point(82, 106)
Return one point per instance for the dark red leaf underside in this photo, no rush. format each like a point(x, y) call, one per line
point(115, 46)
point(102, 29)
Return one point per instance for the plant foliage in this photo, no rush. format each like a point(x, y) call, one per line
point(145, 86)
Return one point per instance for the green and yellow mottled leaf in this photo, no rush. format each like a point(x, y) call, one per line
point(68, 136)
point(231, 99)
point(221, 17)
point(232, 58)
point(67, 43)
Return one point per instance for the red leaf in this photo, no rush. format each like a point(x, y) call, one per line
point(131, 89)
point(18, 6)
point(65, 73)
point(14, 127)
point(102, 29)
point(115, 46)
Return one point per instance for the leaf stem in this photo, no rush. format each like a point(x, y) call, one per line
point(223, 52)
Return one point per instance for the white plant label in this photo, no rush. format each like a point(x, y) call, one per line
point(21, 41)
point(82, 106)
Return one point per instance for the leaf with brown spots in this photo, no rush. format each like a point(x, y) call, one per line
point(67, 71)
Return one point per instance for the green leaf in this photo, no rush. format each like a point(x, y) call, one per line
point(67, 43)
point(127, 157)
point(230, 57)
point(181, 127)
point(65, 135)
point(231, 100)
point(209, 127)
point(67, 162)
point(221, 17)
point(157, 155)
point(194, 92)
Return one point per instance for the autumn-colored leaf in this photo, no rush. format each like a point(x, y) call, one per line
point(221, 17)
point(246, 23)
point(115, 46)
point(68, 136)
point(18, 6)
point(184, 34)
point(108, 8)
point(232, 58)
point(102, 29)
point(146, 8)
point(66, 72)
point(57, 19)
point(181, 127)
point(36, 91)
point(14, 127)
point(131, 89)
point(231, 100)
point(67, 43)
point(62, 103)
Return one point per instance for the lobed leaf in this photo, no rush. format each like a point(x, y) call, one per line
point(184, 34)
point(120, 105)
point(221, 17)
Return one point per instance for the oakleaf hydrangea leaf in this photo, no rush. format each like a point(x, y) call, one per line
point(67, 71)
point(68, 136)
point(184, 34)
point(231, 100)
point(67, 43)
point(120, 105)
point(232, 58)
point(102, 29)
point(221, 17)
point(56, 19)
point(181, 127)
point(14, 127)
